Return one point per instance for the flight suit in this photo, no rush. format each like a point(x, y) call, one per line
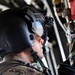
point(21, 70)
point(15, 67)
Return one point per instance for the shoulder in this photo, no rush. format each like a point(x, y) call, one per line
point(21, 70)
point(17, 68)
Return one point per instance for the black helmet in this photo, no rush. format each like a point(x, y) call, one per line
point(17, 29)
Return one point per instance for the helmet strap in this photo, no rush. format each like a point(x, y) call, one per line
point(36, 58)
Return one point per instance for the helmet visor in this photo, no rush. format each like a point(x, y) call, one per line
point(38, 28)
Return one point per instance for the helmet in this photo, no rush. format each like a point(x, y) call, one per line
point(17, 29)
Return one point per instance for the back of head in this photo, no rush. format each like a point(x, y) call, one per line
point(17, 29)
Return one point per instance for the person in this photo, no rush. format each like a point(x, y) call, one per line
point(21, 32)
point(60, 8)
